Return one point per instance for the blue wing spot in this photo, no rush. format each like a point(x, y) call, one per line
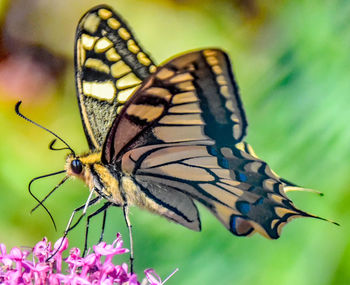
point(240, 226)
point(212, 150)
point(242, 177)
point(233, 224)
point(243, 207)
point(259, 201)
point(224, 163)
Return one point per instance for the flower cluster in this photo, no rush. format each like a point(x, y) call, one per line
point(45, 265)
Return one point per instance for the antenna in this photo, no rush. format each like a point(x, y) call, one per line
point(40, 126)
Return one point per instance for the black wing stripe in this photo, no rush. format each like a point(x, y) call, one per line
point(165, 205)
point(195, 191)
point(179, 206)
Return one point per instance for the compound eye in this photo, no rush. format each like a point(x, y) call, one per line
point(77, 166)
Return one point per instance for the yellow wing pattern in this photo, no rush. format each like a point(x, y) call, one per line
point(109, 66)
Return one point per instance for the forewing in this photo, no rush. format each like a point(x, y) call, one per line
point(193, 97)
point(109, 67)
point(182, 130)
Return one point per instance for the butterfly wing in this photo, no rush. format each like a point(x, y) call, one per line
point(166, 200)
point(109, 67)
point(182, 132)
point(193, 96)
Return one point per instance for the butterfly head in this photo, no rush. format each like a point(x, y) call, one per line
point(89, 168)
point(80, 166)
point(74, 166)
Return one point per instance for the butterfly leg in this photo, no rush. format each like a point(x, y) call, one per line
point(128, 224)
point(84, 207)
point(88, 203)
point(104, 209)
point(103, 224)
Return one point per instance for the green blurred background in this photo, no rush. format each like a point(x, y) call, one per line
point(291, 60)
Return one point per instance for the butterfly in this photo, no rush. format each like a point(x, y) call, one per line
point(164, 137)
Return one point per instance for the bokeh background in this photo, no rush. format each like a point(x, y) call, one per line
point(292, 63)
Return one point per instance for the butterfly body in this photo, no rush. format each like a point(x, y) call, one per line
point(164, 137)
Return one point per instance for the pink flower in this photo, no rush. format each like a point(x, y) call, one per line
point(42, 250)
point(60, 246)
point(154, 279)
point(109, 250)
point(46, 265)
point(121, 273)
point(4, 259)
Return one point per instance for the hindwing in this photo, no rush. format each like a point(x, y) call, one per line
point(109, 65)
point(182, 132)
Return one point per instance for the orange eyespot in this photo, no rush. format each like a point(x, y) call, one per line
point(77, 166)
